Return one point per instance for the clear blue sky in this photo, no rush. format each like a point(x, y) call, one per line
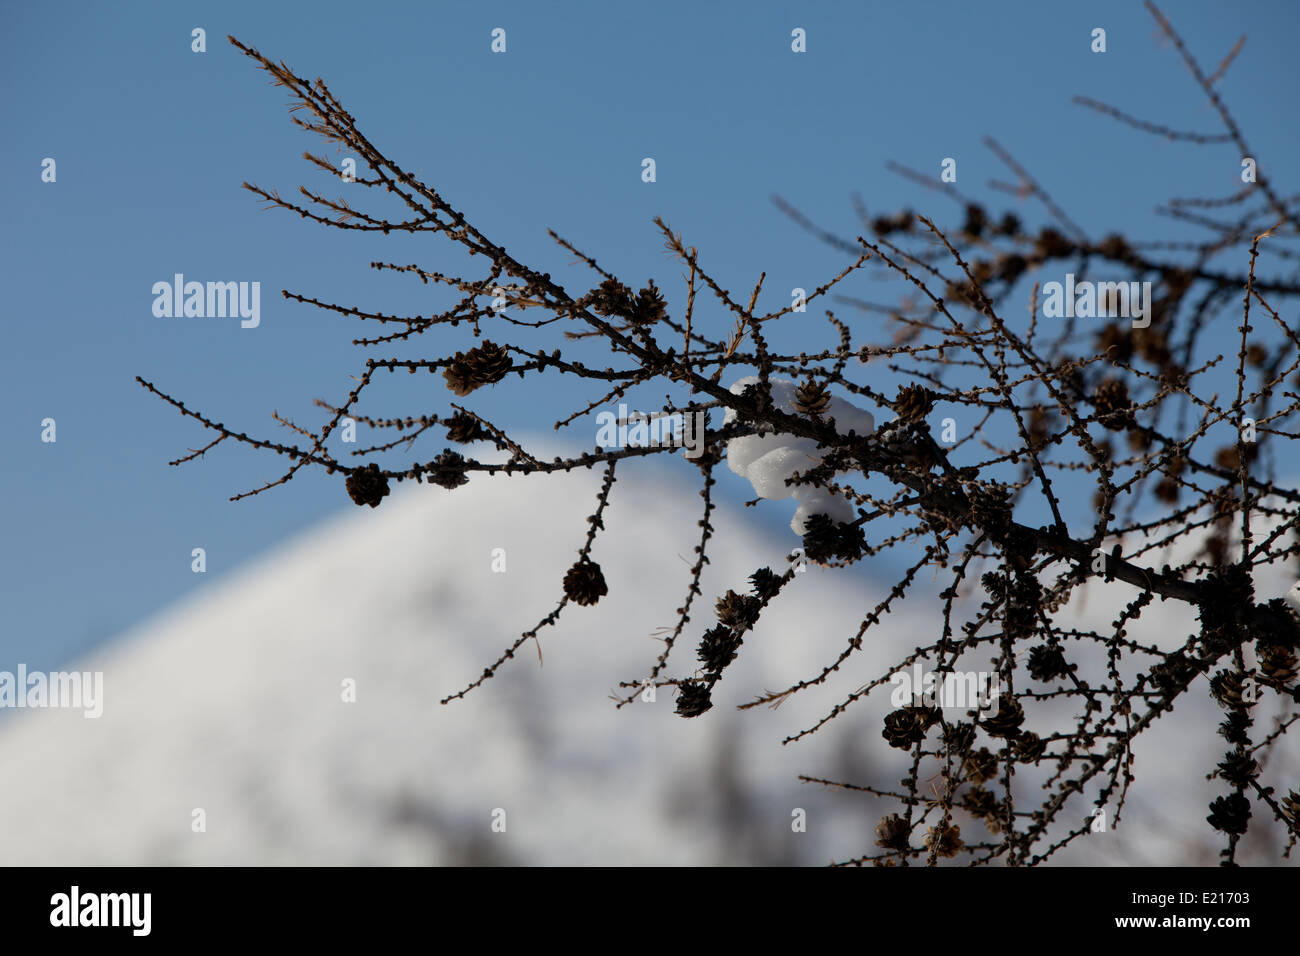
point(152, 142)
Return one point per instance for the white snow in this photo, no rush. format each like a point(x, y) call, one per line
point(769, 460)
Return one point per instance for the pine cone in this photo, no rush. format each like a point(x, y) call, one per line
point(1167, 491)
point(1239, 768)
point(1291, 807)
point(1234, 728)
point(1277, 665)
point(650, 306)
point(958, 736)
point(766, 583)
point(584, 584)
point(718, 648)
point(1006, 722)
point(1230, 814)
point(692, 698)
point(892, 832)
point(738, 611)
point(1047, 663)
point(948, 842)
point(811, 398)
point(1114, 407)
point(612, 298)
point(448, 470)
point(366, 486)
point(914, 402)
point(1227, 688)
point(823, 539)
point(463, 429)
point(981, 765)
point(1009, 225)
point(907, 726)
point(1173, 672)
point(979, 802)
point(983, 805)
point(1030, 747)
point(460, 379)
point(485, 365)
point(991, 510)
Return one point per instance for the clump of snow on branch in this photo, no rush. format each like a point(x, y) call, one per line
point(769, 459)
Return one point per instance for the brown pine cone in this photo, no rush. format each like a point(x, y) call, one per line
point(914, 402)
point(366, 486)
point(584, 584)
point(811, 398)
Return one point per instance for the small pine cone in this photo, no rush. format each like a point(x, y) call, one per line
point(366, 486)
point(1239, 768)
point(1006, 722)
point(1138, 440)
point(914, 402)
point(1030, 747)
point(1227, 688)
point(811, 398)
point(1234, 728)
point(1040, 427)
point(1167, 491)
point(1256, 355)
point(692, 698)
point(1115, 342)
point(459, 376)
point(979, 802)
point(1228, 459)
point(718, 648)
point(981, 765)
point(766, 583)
point(612, 298)
point(983, 805)
point(650, 306)
point(1012, 266)
point(1009, 225)
point(1216, 549)
point(820, 538)
point(1113, 405)
point(958, 736)
point(991, 510)
point(907, 726)
point(1115, 246)
point(892, 832)
point(1291, 807)
point(489, 363)
point(1051, 244)
point(448, 470)
point(946, 843)
point(1278, 665)
point(1172, 672)
point(584, 584)
point(485, 365)
point(911, 443)
point(1230, 814)
point(1047, 663)
point(738, 611)
point(463, 429)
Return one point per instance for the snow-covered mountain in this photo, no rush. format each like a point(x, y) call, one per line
point(232, 702)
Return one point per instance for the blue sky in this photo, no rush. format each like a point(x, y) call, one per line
point(152, 142)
